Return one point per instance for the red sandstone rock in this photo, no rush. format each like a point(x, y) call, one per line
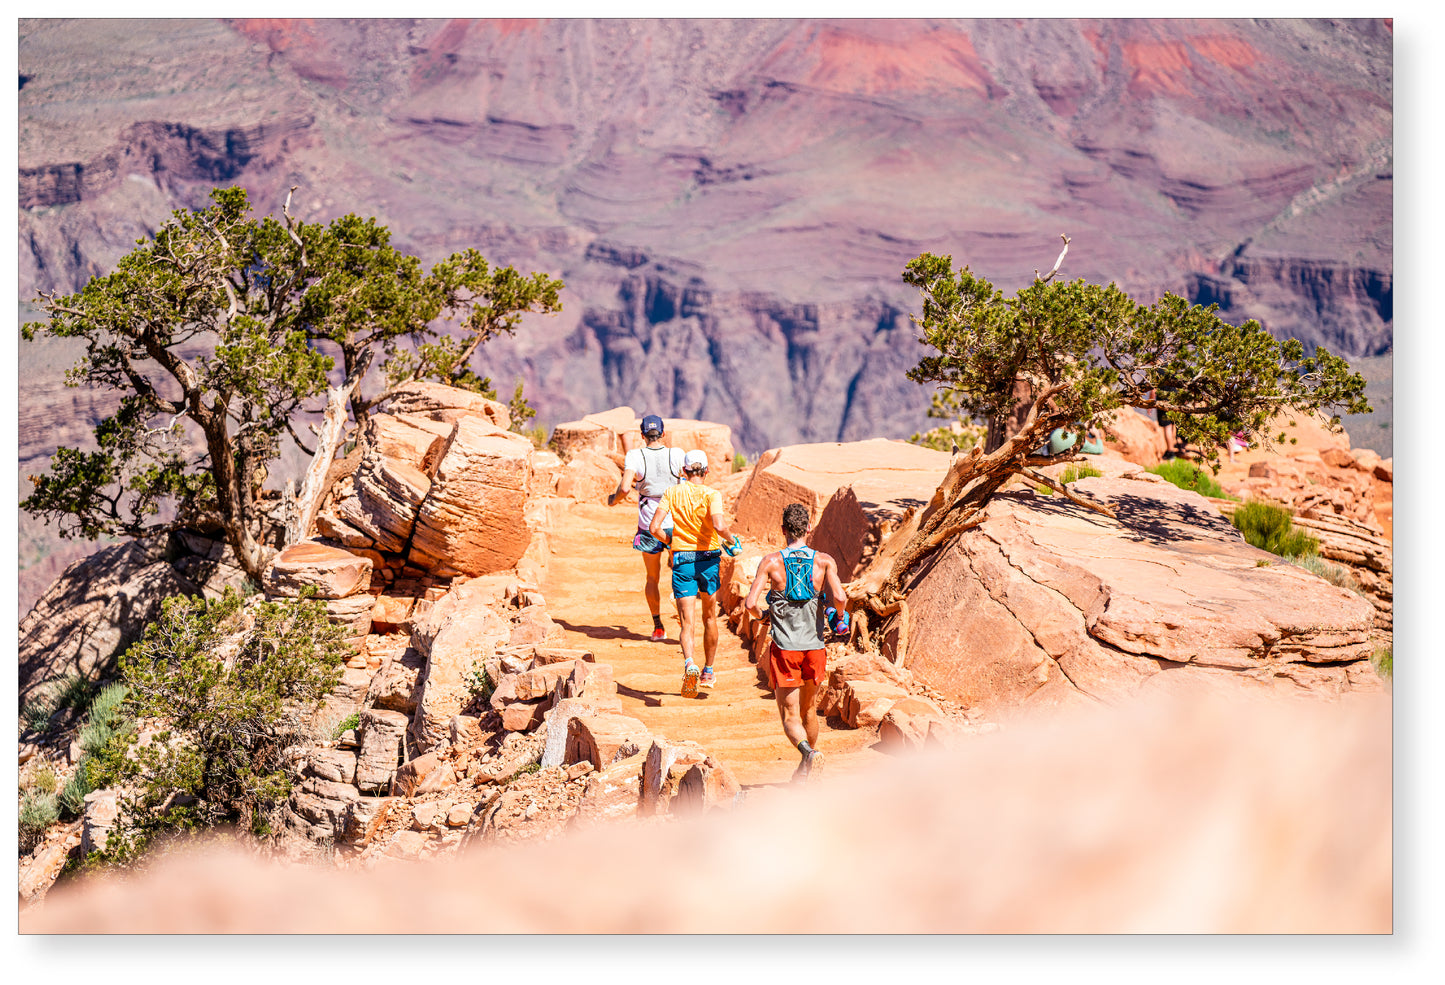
point(1047, 606)
point(1134, 437)
point(333, 572)
point(382, 500)
point(811, 474)
point(408, 438)
point(706, 786)
point(588, 477)
point(448, 404)
point(391, 613)
point(613, 792)
point(863, 514)
point(459, 633)
point(523, 716)
point(864, 703)
point(597, 738)
point(666, 764)
point(472, 521)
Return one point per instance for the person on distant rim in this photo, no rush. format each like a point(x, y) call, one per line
point(797, 661)
point(699, 529)
point(652, 469)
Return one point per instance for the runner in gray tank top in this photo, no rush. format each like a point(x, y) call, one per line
point(797, 661)
point(651, 469)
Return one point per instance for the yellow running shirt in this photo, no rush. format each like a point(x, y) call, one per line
point(691, 505)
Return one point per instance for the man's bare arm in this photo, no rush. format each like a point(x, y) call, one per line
point(624, 486)
point(655, 527)
point(835, 586)
point(760, 581)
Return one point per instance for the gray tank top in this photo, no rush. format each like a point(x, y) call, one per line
point(796, 625)
point(658, 475)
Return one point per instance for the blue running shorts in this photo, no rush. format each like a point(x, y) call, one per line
point(694, 572)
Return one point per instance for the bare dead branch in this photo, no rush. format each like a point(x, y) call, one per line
point(1057, 263)
point(1059, 487)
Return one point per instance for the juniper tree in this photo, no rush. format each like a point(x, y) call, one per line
point(1077, 353)
point(215, 334)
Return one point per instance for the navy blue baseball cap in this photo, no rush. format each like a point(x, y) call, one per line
point(651, 423)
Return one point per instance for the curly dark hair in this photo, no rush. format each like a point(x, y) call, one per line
point(795, 521)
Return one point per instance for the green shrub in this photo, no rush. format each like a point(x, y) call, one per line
point(740, 462)
point(35, 716)
point(108, 708)
point(1384, 661)
point(527, 770)
point(1076, 472)
point(348, 723)
point(946, 438)
point(1269, 527)
point(38, 811)
point(94, 737)
point(1186, 475)
point(43, 780)
point(1335, 574)
point(479, 682)
point(72, 798)
point(233, 684)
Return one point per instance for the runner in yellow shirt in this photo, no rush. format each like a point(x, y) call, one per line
point(699, 529)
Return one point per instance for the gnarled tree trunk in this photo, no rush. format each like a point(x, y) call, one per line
point(957, 505)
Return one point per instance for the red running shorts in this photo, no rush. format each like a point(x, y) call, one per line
point(790, 668)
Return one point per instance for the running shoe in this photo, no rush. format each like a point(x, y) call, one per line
point(659, 634)
point(689, 680)
point(708, 678)
point(810, 768)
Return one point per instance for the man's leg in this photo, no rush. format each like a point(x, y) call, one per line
point(653, 565)
point(685, 610)
point(807, 705)
point(709, 628)
point(788, 709)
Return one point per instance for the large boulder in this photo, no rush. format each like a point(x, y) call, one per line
point(863, 514)
point(411, 438)
point(588, 477)
point(102, 604)
point(381, 502)
point(448, 404)
point(1047, 602)
point(1135, 437)
point(331, 571)
point(473, 521)
point(812, 474)
point(460, 632)
point(601, 433)
point(612, 433)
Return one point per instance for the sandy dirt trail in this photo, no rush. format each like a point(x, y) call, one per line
point(594, 592)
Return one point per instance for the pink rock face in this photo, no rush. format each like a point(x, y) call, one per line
point(473, 519)
point(383, 499)
point(334, 573)
point(588, 477)
point(1135, 437)
point(1048, 603)
point(811, 474)
point(458, 633)
point(862, 514)
point(866, 702)
point(446, 403)
point(410, 438)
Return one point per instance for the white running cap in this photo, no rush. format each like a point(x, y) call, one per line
point(695, 459)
